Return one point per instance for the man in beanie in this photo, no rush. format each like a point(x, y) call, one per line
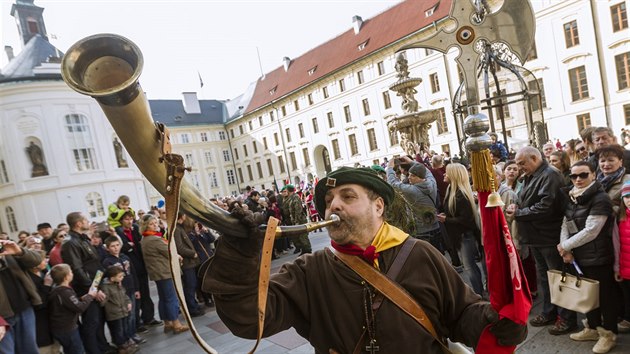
point(422, 195)
point(332, 306)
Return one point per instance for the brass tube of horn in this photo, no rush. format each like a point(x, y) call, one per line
point(308, 227)
point(107, 67)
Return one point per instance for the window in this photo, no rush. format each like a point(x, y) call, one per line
point(342, 85)
point(366, 107)
point(583, 121)
point(245, 150)
point(194, 179)
point(296, 105)
point(272, 117)
point(372, 139)
point(185, 138)
point(32, 26)
point(240, 175)
point(354, 148)
point(533, 53)
point(204, 136)
point(536, 103)
point(301, 130)
point(251, 125)
point(309, 98)
point(283, 109)
point(259, 168)
point(293, 161)
point(427, 51)
point(4, 175)
point(265, 143)
point(236, 154)
point(619, 16)
point(275, 139)
point(622, 63)
point(325, 91)
point(11, 219)
point(230, 177)
point(231, 133)
point(360, 78)
point(226, 155)
point(270, 166)
point(380, 67)
point(335, 148)
point(307, 158)
point(260, 121)
point(331, 120)
point(387, 101)
point(94, 205)
point(346, 112)
point(222, 135)
point(393, 137)
point(255, 146)
point(80, 141)
point(240, 129)
point(435, 83)
point(579, 85)
point(446, 148)
point(571, 37)
point(288, 134)
point(315, 125)
point(442, 125)
point(188, 159)
point(249, 172)
point(626, 114)
point(212, 176)
point(505, 108)
point(281, 164)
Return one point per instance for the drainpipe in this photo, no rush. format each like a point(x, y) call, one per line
point(600, 62)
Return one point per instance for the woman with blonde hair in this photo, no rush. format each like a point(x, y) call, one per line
point(461, 218)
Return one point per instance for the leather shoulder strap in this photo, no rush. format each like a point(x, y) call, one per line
point(391, 290)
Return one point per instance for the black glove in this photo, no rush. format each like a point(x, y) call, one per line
point(506, 331)
point(251, 244)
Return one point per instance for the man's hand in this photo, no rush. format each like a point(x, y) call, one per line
point(249, 245)
point(391, 163)
point(507, 332)
point(137, 295)
point(100, 296)
point(3, 331)
point(10, 248)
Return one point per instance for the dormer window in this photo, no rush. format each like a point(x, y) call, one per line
point(178, 118)
point(273, 90)
point(33, 28)
point(363, 45)
point(431, 10)
point(311, 71)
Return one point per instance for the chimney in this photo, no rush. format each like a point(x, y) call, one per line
point(357, 21)
point(191, 103)
point(286, 61)
point(9, 50)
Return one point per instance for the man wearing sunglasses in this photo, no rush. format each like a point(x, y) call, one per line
point(538, 219)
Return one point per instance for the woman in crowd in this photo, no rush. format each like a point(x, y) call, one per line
point(560, 160)
point(570, 148)
point(585, 239)
point(459, 210)
point(155, 252)
point(511, 176)
point(22, 238)
point(43, 284)
point(611, 173)
point(55, 254)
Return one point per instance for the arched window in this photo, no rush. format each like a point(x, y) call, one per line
point(94, 205)
point(11, 219)
point(81, 143)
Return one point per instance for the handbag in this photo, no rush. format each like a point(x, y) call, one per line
point(573, 292)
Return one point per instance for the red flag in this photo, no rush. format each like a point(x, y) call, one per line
point(507, 285)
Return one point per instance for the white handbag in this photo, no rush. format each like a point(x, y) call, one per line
point(571, 292)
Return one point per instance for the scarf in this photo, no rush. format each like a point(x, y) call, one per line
point(575, 192)
point(607, 181)
point(386, 237)
point(154, 233)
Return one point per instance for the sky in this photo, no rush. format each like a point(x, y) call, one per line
point(184, 39)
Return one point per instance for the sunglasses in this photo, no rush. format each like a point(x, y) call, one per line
point(582, 175)
point(581, 149)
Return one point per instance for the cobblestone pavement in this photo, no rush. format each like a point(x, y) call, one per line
point(214, 332)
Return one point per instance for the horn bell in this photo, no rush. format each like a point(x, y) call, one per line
point(107, 67)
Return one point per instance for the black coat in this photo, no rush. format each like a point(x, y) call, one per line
point(133, 251)
point(461, 221)
point(540, 212)
point(594, 201)
point(83, 258)
point(42, 329)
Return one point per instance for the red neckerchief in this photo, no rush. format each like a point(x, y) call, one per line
point(369, 254)
point(128, 233)
point(153, 233)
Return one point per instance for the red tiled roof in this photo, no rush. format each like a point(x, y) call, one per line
point(385, 28)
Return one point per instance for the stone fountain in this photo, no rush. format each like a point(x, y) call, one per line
point(412, 124)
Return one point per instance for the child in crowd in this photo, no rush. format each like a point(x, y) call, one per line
point(117, 308)
point(114, 257)
point(64, 309)
point(117, 210)
point(622, 246)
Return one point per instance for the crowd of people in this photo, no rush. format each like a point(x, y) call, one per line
point(565, 205)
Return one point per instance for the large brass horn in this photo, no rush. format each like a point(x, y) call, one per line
point(107, 67)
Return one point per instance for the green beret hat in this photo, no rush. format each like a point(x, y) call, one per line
point(378, 168)
point(364, 176)
point(290, 187)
